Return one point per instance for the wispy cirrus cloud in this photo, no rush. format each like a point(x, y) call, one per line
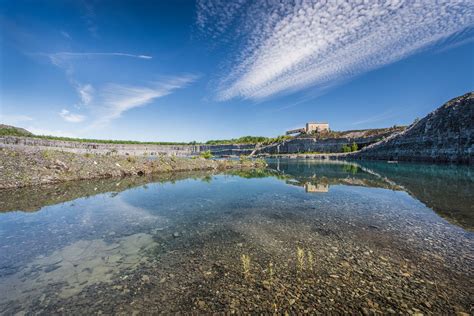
point(85, 91)
point(288, 45)
point(215, 17)
point(118, 98)
point(71, 117)
point(106, 102)
point(60, 58)
point(377, 118)
point(113, 99)
point(65, 34)
point(12, 119)
point(89, 17)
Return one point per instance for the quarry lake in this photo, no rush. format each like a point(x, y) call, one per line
point(299, 236)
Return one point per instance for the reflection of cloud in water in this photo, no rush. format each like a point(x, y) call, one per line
point(122, 212)
point(72, 268)
point(93, 240)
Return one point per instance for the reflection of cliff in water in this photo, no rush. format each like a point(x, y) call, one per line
point(31, 199)
point(321, 175)
point(445, 189)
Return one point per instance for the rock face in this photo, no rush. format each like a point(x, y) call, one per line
point(333, 144)
point(445, 135)
point(231, 149)
point(310, 144)
point(123, 149)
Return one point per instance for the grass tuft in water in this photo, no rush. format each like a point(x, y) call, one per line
point(270, 272)
point(245, 265)
point(310, 260)
point(300, 258)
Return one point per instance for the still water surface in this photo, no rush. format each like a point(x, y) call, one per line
point(300, 236)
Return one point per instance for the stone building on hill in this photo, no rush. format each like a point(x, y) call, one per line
point(310, 128)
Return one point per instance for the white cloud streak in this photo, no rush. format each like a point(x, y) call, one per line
point(66, 34)
point(215, 17)
point(71, 117)
point(14, 119)
point(59, 58)
point(65, 61)
point(90, 18)
point(292, 45)
point(109, 102)
point(377, 118)
point(85, 93)
point(118, 98)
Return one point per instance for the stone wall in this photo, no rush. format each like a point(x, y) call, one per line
point(123, 149)
point(445, 135)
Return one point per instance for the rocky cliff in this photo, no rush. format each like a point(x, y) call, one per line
point(328, 144)
point(445, 135)
point(123, 149)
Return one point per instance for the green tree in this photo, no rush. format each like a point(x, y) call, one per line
point(354, 147)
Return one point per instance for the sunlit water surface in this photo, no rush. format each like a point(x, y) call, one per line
point(301, 236)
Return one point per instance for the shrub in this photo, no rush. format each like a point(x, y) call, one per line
point(346, 148)
point(206, 154)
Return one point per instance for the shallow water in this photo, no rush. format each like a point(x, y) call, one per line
point(301, 236)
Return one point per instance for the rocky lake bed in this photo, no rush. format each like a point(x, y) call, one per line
point(301, 236)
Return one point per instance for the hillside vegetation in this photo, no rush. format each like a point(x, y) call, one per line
point(7, 130)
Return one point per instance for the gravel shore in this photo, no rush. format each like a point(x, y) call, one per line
point(21, 168)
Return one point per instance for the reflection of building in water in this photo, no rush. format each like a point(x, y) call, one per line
point(318, 187)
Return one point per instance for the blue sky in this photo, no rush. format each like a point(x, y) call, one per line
point(184, 70)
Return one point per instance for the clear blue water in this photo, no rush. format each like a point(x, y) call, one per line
point(300, 236)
